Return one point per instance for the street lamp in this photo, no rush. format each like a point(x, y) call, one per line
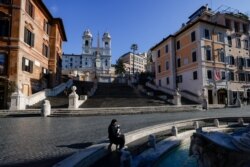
point(134, 47)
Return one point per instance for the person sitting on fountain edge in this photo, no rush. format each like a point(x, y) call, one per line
point(115, 136)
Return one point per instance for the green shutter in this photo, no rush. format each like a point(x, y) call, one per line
point(32, 39)
point(31, 66)
point(23, 64)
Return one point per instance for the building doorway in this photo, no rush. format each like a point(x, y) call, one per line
point(210, 96)
point(248, 96)
point(222, 96)
point(2, 96)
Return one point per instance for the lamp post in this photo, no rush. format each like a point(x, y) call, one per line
point(134, 47)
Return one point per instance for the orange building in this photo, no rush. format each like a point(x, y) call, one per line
point(209, 55)
point(30, 47)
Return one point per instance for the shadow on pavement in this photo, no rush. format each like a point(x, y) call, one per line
point(77, 145)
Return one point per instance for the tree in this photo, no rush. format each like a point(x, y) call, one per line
point(119, 67)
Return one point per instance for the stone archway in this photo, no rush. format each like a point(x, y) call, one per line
point(222, 95)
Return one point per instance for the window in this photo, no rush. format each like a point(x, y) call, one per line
point(179, 62)
point(167, 80)
point(228, 23)
point(159, 69)
point(5, 2)
point(241, 62)
point(4, 28)
point(45, 50)
point(29, 8)
point(241, 77)
point(231, 76)
point(193, 36)
point(3, 64)
point(86, 43)
point(207, 34)
point(194, 58)
point(208, 54)
point(220, 37)
point(246, 44)
point(106, 62)
point(245, 28)
point(231, 60)
point(159, 82)
point(27, 65)
point(178, 45)
point(179, 79)
point(159, 53)
point(106, 44)
point(248, 77)
point(229, 40)
point(195, 76)
point(46, 71)
point(223, 75)
point(29, 37)
point(46, 26)
point(167, 65)
point(166, 48)
point(86, 62)
point(236, 27)
point(248, 62)
point(221, 56)
point(209, 74)
point(238, 43)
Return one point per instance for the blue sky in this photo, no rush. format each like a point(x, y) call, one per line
point(144, 22)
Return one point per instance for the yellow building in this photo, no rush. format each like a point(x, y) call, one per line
point(208, 55)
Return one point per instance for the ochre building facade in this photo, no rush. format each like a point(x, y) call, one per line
point(30, 47)
point(208, 56)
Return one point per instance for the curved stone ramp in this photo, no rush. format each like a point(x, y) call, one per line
point(90, 155)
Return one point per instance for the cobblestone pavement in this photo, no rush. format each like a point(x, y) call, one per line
point(29, 140)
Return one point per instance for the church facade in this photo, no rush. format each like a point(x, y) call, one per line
point(94, 63)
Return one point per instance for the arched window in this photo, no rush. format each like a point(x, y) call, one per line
point(106, 62)
point(86, 43)
point(106, 44)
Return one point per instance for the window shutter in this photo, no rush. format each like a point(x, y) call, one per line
point(48, 54)
point(23, 64)
point(32, 39)
point(25, 35)
point(31, 66)
point(49, 27)
point(27, 6)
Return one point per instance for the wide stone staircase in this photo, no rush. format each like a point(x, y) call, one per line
point(159, 94)
point(119, 95)
point(62, 100)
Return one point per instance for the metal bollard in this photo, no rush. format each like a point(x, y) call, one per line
point(152, 141)
point(240, 121)
point(196, 125)
point(216, 123)
point(46, 108)
point(174, 131)
point(125, 159)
